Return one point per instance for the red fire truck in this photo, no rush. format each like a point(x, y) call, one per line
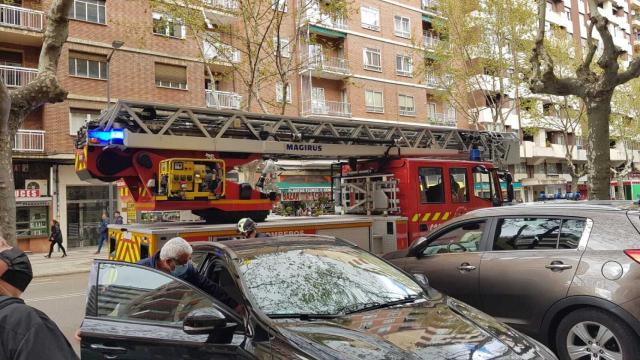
point(177, 158)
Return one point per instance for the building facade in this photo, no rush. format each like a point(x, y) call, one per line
point(362, 65)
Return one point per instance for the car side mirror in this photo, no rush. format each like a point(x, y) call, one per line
point(421, 279)
point(203, 321)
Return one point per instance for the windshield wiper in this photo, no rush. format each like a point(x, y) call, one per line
point(361, 307)
point(302, 316)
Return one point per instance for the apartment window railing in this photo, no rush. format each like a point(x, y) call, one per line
point(224, 4)
point(29, 141)
point(329, 64)
point(323, 107)
point(15, 76)
point(223, 99)
point(317, 17)
point(19, 17)
point(221, 52)
point(430, 5)
point(430, 41)
point(441, 119)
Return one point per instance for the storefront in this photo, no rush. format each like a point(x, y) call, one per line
point(304, 198)
point(33, 204)
point(32, 220)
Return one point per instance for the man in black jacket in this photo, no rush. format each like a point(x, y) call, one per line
point(175, 258)
point(25, 333)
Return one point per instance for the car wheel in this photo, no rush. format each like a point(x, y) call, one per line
point(593, 334)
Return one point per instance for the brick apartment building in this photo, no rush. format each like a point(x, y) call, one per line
point(359, 67)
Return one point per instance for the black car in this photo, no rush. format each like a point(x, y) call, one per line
point(303, 297)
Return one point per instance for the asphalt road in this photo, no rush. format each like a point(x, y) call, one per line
point(62, 298)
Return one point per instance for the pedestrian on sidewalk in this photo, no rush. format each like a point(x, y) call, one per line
point(56, 238)
point(117, 218)
point(103, 230)
point(25, 333)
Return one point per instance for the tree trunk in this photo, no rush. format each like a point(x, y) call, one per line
point(599, 157)
point(574, 184)
point(7, 187)
point(620, 180)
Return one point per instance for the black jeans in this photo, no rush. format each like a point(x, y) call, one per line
point(53, 243)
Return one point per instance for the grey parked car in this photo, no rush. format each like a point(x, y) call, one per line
point(567, 274)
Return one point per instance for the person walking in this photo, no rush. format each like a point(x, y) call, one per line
point(25, 333)
point(103, 230)
point(56, 238)
point(117, 218)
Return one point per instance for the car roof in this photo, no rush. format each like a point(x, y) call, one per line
point(248, 247)
point(558, 207)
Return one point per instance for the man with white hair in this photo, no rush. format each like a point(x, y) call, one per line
point(175, 258)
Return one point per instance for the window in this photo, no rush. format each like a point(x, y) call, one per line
point(167, 26)
point(280, 5)
point(406, 105)
point(284, 46)
point(89, 10)
point(32, 221)
point(171, 76)
point(459, 185)
point(126, 292)
point(370, 18)
point(88, 65)
point(372, 59)
point(279, 92)
point(431, 187)
point(402, 26)
point(538, 234)
point(462, 238)
point(78, 117)
point(451, 113)
point(374, 101)
point(482, 184)
point(404, 65)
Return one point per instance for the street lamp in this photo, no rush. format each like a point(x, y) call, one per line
point(116, 44)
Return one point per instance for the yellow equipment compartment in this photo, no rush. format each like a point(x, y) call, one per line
point(191, 179)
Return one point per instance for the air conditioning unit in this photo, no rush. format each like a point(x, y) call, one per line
point(32, 184)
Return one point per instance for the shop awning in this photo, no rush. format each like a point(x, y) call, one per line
point(288, 187)
point(427, 18)
point(327, 32)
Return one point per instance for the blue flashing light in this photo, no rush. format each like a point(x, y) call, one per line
point(475, 155)
point(102, 137)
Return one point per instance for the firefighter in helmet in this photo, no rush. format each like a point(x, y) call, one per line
point(247, 227)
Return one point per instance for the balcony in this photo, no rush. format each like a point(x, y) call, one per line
point(21, 25)
point(222, 100)
point(438, 81)
point(430, 41)
point(326, 67)
point(220, 56)
point(314, 16)
point(430, 5)
point(326, 108)
point(221, 12)
point(29, 141)
point(441, 119)
point(15, 76)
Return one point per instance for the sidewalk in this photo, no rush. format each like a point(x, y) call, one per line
point(78, 261)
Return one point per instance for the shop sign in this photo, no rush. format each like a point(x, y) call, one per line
point(28, 193)
point(32, 203)
point(304, 196)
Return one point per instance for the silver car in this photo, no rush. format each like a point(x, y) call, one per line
point(567, 274)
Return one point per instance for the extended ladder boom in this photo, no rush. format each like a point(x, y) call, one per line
point(171, 127)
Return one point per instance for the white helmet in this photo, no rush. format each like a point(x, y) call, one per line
point(246, 225)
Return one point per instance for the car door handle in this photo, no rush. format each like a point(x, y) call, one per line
point(558, 266)
point(466, 267)
point(108, 349)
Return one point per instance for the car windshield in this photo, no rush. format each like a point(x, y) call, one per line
point(324, 280)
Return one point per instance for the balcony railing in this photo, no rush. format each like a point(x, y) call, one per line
point(329, 64)
point(430, 41)
point(221, 52)
point(430, 5)
point(19, 17)
point(441, 119)
point(437, 81)
point(329, 108)
point(29, 141)
point(229, 5)
point(15, 76)
point(315, 16)
point(223, 99)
